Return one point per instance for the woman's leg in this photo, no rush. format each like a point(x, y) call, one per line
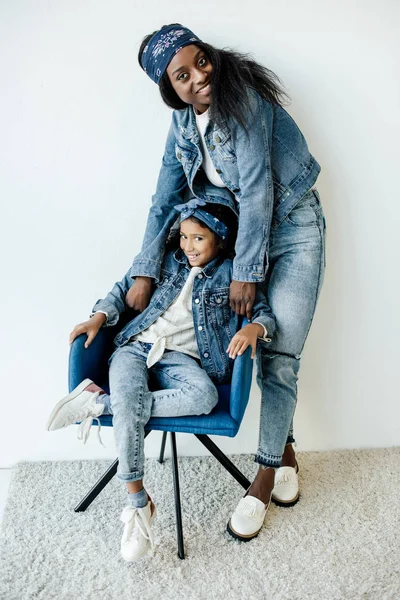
point(297, 253)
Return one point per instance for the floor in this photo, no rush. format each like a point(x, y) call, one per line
point(5, 476)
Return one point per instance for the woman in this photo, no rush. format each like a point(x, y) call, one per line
point(231, 138)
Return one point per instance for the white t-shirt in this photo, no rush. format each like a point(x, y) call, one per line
point(209, 169)
point(174, 329)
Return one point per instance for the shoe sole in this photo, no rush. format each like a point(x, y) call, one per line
point(287, 504)
point(241, 538)
point(78, 390)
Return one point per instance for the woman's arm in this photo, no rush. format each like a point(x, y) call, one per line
point(256, 197)
point(170, 189)
point(171, 186)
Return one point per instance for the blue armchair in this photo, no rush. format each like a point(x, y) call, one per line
point(224, 420)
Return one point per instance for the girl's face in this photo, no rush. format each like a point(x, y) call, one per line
point(200, 244)
point(190, 75)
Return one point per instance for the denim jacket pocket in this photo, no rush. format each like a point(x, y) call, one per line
point(306, 212)
point(224, 146)
point(186, 156)
point(217, 306)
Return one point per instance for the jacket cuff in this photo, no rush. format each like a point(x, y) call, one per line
point(145, 268)
point(269, 328)
point(251, 274)
point(264, 337)
point(109, 310)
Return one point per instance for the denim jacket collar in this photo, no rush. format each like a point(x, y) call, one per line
point(208, 270)
point(188, 126)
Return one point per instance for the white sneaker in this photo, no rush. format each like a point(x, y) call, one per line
point(78, 406)
point(137, 537)
point(247, 519)
point(286, 487)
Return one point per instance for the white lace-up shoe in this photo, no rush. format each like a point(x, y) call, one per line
point(78, 406)
point(247, 519)
point(137, 538)
point(286, 486)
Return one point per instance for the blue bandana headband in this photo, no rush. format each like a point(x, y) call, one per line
point(191, 209)
point(162, 48)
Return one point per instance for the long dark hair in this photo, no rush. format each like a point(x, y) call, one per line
point(233, 73)
point(224, 214)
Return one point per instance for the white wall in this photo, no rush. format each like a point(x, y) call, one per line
point(82, 131)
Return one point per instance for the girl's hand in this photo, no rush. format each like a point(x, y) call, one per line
point(247, 336)
point(241, 297)
point(138, 296)
point(90, 327)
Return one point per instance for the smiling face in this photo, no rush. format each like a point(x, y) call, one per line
point(190, 75)
point(200, 244)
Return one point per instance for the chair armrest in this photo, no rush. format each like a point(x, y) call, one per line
point(241, 383)
point(90, 362)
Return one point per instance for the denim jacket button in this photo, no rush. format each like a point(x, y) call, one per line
point(179, 155)
point(197, 301)
point(200, 328)
point(212, 148)
point(200, 276)
point(219, 300)
point(217, 139)
point(218, 171)
point(206, 355)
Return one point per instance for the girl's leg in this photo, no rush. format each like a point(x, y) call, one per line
point(184, 388)
point(131, 406)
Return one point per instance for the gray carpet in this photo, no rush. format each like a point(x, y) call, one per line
point(341, 541)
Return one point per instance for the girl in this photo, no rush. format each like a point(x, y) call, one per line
point(230, 137)
point(185, 340)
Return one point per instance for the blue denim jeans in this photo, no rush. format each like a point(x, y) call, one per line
point(294, 280)
point(184, 388)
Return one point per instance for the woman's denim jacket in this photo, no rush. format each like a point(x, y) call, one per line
point(266, 171)
point(214, 322)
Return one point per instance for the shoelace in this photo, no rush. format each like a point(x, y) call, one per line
point(142, 524)
point(84, 429)
point(144, 527)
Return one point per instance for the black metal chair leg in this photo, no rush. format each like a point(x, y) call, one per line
point(97, 488)
point(100, 485)
point(162, 449)
point(175, 474)
point(223, 459)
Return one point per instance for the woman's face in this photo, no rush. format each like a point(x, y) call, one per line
point(200, 244)
point(190, 75)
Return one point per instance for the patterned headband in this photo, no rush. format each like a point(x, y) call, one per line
point(162, 48)
point(191, 209)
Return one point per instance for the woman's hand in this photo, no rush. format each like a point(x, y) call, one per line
point(241, 297)
point(138, 296)
point(90, 327)
point(247, 336)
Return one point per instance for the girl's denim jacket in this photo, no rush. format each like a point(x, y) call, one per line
point(214, 322)
point(266, 170)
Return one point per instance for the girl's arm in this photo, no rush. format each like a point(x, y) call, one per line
point(261, 328)
point(113, 305)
